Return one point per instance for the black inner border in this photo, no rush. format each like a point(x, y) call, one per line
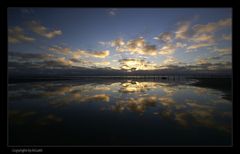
point(120, 3)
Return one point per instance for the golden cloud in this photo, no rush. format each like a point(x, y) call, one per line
point(165, 37)
point(203, 38)
point(223, 51)
point(212, 27)
point(17, 35)
point(199, 45)
point(227, 37)
point(59, 49)
point(100, 54)
point(201, 61)
point(97, 54)
point(118, 42)
point(202, 34)
point(64, 61)
point(138, 46)
point(167, 49)
point(104, 63)
point(182, 30)
point(43, 31)
point(180, 45)
point(136, 64)
point(170, 61)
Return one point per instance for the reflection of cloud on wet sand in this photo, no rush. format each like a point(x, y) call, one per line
point(78, 98)
point(49, 119)
point(60, 95)
point(200, 107)
point(169, 91)
point(195, 104)
point(95, 98)
point(135, 104)
point(20, 117)
point(197, 114)
point(200, 91)
point(24, 117)
point(133, 86)
point(166, 101)
point(102, 88)
point(181, 118)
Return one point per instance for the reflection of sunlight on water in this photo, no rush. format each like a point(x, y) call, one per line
point(201, 106)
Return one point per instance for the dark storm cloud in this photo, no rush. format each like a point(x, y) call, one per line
point(30, 60)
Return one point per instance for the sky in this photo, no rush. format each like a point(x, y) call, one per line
point(120, 39)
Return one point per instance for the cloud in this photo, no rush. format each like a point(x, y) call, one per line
point(170, 61)
point(105, 43)
point(81, 63)
point(30, 60)
point(227, 37)
point(167, 49)
point(27, 10)
point(22, 57)
point(196, 46)
point(223, 51)
point(59, 49)
point(28, 63)
point(79, 53)
point(96, 54)
point(43, 31)
point(17, 35)
point(100, 64)
point(132, 64)
point(182, 30)
point(201, 35)
point(135, 46)
point(212, 27)
point(64, 61)
point(55, 63)
point(208, 64)
point(202, 61)
point(112, 12)
point(149, 50)
point(117, 43)
point(164, 37)
point(180, 45)
point(203, 38)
